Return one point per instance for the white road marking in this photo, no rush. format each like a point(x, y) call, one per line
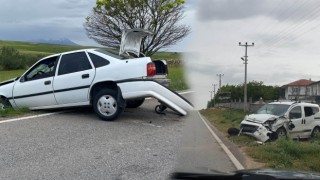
point(30, 117)
point(233, 159)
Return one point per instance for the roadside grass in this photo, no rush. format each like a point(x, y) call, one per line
point(176, 75)
point(281, 154)
point(167, 56)
point(5, 75)
point(12, 112)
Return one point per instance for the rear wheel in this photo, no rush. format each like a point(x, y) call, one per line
point(134, 103)
point(315, 131)
point(281, 132)
point(106, 106)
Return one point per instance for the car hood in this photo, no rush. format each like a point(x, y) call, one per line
point(131, 40)
point(7, 81)
point(246, 174)
point(260, 118)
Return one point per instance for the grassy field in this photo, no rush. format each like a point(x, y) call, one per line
point(177, 77)
point(283, 153)
point(39, 48)
point(5, 75)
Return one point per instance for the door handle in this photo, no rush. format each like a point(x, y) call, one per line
point(84, 76)
point(47, 82)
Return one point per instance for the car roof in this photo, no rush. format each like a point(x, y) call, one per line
point(292, 102)
point(283, 102)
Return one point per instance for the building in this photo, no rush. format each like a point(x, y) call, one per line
point(302, 89)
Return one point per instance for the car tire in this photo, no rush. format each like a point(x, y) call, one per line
point(106, 106)
point(315, 131)
point(4, 103)
point(134, 103)
point(281, 132)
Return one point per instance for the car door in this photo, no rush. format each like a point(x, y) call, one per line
point(309, 112)
point(34, 88)
point(74, 77)
point(297, 117)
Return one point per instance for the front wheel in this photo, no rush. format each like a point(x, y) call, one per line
point(4, 103)
point(315, 131)
point(281, 132)
point(106, 106)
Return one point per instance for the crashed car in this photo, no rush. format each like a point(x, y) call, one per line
point(93, 77)
point(279, 119)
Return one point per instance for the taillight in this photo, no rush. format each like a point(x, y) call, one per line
point(151, 69)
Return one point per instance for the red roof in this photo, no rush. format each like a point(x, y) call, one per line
point(301, 82)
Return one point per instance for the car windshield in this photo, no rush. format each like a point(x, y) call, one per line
point(275, 109)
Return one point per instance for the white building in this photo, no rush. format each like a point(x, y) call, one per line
point(302, 89)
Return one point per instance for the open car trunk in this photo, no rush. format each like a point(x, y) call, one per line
point(131, 41)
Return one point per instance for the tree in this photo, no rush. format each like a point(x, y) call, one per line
point(10, 58)
point(255, 90)
point(110, 17)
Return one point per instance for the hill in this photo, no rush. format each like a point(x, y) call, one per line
point(62, 41)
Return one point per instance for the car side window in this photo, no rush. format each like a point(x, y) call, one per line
point(308, 111)
point(295, 113)
point(98, 61)
point(315, 110)
point(74, 62)
point(44, 68)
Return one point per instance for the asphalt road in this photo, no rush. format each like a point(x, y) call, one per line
point(77, 145)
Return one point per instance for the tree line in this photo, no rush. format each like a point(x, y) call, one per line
point(255, 90)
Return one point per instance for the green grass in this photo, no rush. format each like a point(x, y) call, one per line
point(12, 112)
point(176, 75)
point(167, 56)
point(5, 75)
point(283, 153)
point(40, 48)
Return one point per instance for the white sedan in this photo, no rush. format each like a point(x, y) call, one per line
point(91, 77)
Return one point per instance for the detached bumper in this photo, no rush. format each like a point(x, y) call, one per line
point(255, 130)
point(148, 88)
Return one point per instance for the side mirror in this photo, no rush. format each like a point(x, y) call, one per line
point(22, 79)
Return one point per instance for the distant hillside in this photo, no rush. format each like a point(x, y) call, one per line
point(63, 41)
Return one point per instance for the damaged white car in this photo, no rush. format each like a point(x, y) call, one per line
point(279, 119)
point(93, 77)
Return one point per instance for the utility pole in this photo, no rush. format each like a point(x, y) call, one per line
point(245, 59)
point(214, 94)
point(210, 97)
point(220, 75)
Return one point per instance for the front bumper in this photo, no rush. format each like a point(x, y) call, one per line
point(258, 131)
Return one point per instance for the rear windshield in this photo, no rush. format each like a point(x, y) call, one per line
point(110, 53)
point(275, 109)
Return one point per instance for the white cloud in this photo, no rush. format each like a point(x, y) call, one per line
point(26, 19)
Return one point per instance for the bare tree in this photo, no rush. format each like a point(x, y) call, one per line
point(110, 17)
